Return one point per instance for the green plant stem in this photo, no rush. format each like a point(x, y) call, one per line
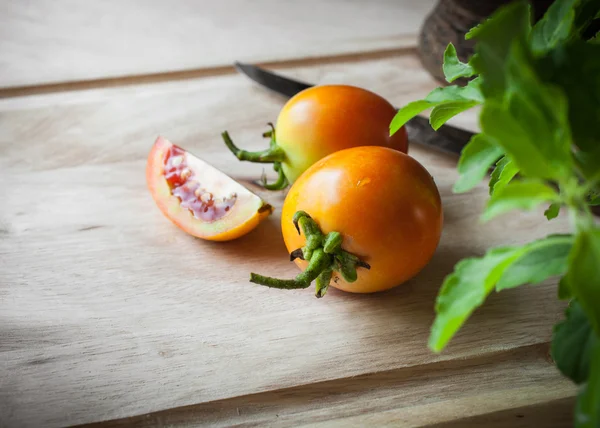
point(333, 243)
point(318, 263)
point(288, 284)
point(584, 219)
point(274, 154)
point(324, 254)
point(282, 181)
point(323, 281)
point(573, 195)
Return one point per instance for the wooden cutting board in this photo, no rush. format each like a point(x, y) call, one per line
point(107, 311)
point(57, 41)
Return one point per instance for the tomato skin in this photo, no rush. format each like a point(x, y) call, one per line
point(324, 119)
point(383, 202)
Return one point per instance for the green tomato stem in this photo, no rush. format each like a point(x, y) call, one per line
point(318, 263)
point(274, 154)
point(282, 181)
point(323, 281)
point(270, 133)
point(287, 284)
point(324, 255)
point(333, 243)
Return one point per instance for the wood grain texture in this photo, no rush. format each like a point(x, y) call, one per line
point(107, 311)
point(399, 397)
point(49, 41)
point(553, 413)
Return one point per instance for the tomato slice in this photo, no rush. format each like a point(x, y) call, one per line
point(198, 198)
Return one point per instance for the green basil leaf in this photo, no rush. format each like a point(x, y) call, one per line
point(572, 342)
point(595, 40)
point(563, 21)
point(593, 198)
point(547, 258)
point(494, 39)
point(541, 109)
point(517, 138)
point(555, 26)
point(552, 211)
point(575, 69)
point(587, 409)
point(465, 289)
point(407, 112)
point(472, 33)
point(584, 273)
point(504, 171)
point(469, 94)
point(522, 194)
point(453, 68)
point(588, 161)
point(564, 291)
point(475, 160)
point(444, 112)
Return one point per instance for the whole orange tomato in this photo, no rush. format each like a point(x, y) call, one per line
point(386, 209)
point(322, 120)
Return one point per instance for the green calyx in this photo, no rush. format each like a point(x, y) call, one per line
point(274, 154)
point(324, 254)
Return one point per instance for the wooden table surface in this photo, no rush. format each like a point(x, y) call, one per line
point(110, 315)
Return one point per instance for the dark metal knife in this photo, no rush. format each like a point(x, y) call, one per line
point(448, 138)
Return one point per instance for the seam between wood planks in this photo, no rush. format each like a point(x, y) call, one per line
point(293, 399)
point(110, 82)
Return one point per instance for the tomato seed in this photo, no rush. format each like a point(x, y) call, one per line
point(184, 185)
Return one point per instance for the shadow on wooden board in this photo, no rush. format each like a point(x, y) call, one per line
point(553, 414)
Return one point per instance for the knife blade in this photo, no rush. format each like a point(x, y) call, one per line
point(447, 138)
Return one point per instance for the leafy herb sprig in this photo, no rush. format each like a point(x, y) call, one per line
point(539, 91)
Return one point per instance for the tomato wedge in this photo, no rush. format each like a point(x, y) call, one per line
point(198, 198)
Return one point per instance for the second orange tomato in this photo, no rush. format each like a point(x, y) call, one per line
point(322, 120)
